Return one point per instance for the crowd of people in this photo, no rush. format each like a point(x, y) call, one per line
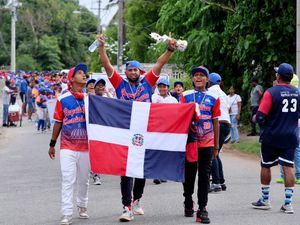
point(216, 118)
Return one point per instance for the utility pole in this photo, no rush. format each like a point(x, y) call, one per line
point(13, 36)
point(298, 40)
point(121, 34)
point(99, 28)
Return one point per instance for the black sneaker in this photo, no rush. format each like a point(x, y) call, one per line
point(224, 187)
point(202, 216)
point(156, 181)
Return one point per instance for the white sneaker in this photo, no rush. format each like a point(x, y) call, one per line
point(136, 208)
point(83, 213)
point(127, 215)
point(66, 220)
point(97, 180)
point(287, 209)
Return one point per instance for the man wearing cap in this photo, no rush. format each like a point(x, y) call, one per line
point(178, 90)
point(218, 181)
point(278, 116)
point(69, 116)
point(133, 89)
point(205, 129)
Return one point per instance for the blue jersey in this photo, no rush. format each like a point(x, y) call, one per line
point(207, 108)
point(280, 105)
point(141, 92)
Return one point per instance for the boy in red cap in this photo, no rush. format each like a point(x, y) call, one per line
point(69, 119)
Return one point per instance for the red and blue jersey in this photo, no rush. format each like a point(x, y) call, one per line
point(70, 112)
point(280, 105)
point(141, 93)
point(207, 109)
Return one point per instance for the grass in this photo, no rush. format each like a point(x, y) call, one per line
point(250, 146)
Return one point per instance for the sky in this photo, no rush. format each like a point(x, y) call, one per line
point(105, 15)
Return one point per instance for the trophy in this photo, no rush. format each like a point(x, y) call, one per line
point(180, 44)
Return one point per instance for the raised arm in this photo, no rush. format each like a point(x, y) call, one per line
point(164, 58)
point(103, 56)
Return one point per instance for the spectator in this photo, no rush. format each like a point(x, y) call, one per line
point(178, 90)
point(255, 96)
point(6, 94)
point(235, 103)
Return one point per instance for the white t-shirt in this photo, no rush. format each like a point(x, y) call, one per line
point(233, 103)
point(6, 95)
point(217, 92)
point(156, 98)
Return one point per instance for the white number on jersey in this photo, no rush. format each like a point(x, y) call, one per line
point(292, 108)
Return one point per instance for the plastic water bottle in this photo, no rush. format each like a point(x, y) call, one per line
point(94, 46)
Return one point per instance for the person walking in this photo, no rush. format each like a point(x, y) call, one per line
point(278, 116)
point(235, 103)
point(133, 88)
point(70, 121)
point(206, 125)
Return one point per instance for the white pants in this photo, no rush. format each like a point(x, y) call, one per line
point(74, 165)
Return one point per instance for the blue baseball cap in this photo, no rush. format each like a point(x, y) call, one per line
point(91, 80)
point(200, 69)
point(214, 78)
point(100, 81)
point(163, 81)
point(78, 67)
point(285, 70)
point(134, 64)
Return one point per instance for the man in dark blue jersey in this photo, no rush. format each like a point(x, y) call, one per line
point(278, 116)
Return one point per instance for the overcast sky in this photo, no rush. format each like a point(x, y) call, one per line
point(106, 15)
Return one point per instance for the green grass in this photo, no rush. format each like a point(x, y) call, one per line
point(248, 146)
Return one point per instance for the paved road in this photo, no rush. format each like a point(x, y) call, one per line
point(30, 190)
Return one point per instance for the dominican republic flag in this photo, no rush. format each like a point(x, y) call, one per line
point(138, 139)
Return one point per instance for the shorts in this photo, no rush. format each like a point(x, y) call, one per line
point(272, 156)
point(30, 106)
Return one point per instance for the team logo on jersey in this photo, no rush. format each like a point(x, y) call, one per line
point(138, 140)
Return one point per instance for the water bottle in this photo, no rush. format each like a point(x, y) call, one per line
point(94, 46)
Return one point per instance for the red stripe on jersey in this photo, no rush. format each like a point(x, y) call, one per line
point(216, 112)
point(151, 78)
point(115, 79)
point(103, 155)
point(58, 112)
point(266, 103)
point(175, 118)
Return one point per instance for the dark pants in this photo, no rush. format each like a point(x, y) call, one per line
point(217, 166)
point(204, 166)
point(254, 110)
point(127, 186)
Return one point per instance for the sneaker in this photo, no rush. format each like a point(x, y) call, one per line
point(280, 180)
point(97, 180)
point(215, 188)
point(202, 216)
point(188, 208)
point(66, 220)
point(83, 213)
point(223, 187)
point(127, 214)
point(260, 204)
point(297, 181)
point(163, 181)
point(288, 209)
point(136, 208)
point(156, 181)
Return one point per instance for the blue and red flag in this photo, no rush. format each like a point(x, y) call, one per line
point(138, 139)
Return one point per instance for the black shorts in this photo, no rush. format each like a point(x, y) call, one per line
point(271, 156)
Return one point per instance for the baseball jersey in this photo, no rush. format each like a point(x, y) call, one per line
point(280, 104)
point(141, 93)
point(70, 112)
point(207, 109)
